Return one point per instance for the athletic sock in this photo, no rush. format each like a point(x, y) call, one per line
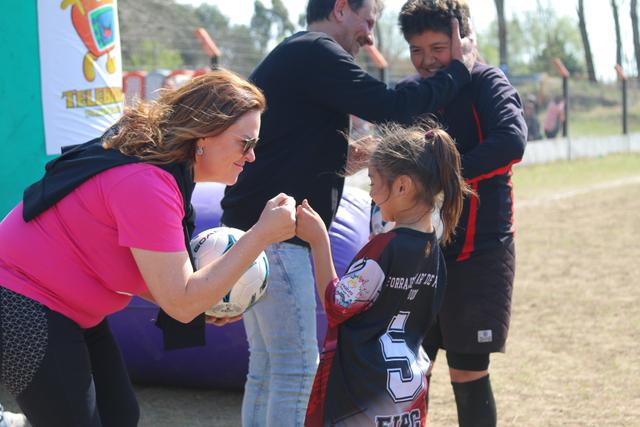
point(475, 403)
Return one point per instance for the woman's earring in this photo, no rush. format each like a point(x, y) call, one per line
point(199, 151)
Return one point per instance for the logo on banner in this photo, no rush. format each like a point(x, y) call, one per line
point(94, 21)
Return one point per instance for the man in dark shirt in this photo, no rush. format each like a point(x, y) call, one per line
point(312, 85)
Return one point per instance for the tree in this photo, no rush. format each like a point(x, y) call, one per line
point(636, 34)
point(616, 20)
point(168, 28)
point(393, 46)
point(535, 38)
point(216, 24)
point(236, 42)
point(502, 33)
point(270, 24)
point(241, 54)
point(152, 55)
point(585, 42)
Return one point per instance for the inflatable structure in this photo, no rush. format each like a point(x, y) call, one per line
point(223, 361)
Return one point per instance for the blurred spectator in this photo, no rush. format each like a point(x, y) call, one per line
point(554, 117)
point(531, 117)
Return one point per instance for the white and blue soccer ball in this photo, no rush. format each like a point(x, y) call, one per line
point(210, 245)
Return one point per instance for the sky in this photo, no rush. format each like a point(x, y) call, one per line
point(598, 13)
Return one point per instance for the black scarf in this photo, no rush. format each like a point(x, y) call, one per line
point(80, 162)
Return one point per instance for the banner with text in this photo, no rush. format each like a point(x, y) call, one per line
point(80, 69)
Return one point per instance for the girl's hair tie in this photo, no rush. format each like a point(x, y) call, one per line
point(429, 134)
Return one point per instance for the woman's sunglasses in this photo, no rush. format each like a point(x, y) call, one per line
point(249, 144)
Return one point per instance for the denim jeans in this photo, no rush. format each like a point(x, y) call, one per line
point(281, 330)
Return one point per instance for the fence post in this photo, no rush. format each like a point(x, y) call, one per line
point(564, 73)
point(209, 46)
point(378, 61)
point(625, 113)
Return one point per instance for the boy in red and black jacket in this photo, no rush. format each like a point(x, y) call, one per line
point(487, 122)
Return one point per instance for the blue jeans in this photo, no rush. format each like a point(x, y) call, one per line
point(283, 347)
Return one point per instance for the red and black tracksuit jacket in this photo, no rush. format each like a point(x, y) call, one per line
point(487, 122)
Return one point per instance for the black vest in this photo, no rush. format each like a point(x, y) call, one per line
point(80, 162)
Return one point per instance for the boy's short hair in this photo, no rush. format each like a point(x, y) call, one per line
point(418, 16)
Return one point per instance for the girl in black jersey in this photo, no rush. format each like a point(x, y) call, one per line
point(372, 368)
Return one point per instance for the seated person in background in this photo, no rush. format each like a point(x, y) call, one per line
point(531, 118)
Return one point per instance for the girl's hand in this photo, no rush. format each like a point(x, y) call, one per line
point(309, 225)
point(277, 221)
point(220, 321)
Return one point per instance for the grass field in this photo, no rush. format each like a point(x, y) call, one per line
point(603, 121)
point(573, 351)
point(572, 354)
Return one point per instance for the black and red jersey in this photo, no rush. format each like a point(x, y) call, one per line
point(487, 123)
point(372, 368)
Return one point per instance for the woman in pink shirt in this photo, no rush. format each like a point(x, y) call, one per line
point(77, 249)
point(554, 117)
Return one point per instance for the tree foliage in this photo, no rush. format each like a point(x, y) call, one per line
point(152, 55)
point(636, 34)
point(270, 24)
point(616, 21)
point(160, 33)
point(236, 42)
point(392, 45)
point(588, 56)
point(535, 38)
point(502, 33)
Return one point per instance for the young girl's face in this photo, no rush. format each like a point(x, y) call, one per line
point(380, 192)
point(430, 52)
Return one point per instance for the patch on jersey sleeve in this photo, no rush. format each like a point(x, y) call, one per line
point(361, 285)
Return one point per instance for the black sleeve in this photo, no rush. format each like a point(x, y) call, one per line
point(503, 126)
point(441, 284)
point(335, 80)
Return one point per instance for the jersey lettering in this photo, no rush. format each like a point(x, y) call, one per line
point(406, 419)
point(403, 383)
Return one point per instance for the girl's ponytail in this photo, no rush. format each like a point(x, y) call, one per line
point(442, 150)
point(427, 154)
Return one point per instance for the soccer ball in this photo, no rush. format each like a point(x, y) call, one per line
point(210, 245)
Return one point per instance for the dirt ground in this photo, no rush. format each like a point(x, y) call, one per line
point(572, 356)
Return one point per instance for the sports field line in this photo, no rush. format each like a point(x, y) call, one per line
point(545, 200)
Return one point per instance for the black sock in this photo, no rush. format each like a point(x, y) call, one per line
point(475, 403)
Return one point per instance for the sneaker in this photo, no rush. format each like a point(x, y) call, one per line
point(9, 419)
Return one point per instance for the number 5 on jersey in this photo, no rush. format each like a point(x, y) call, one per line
point(405, 382)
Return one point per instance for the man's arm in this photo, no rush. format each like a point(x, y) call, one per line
point(336, 81)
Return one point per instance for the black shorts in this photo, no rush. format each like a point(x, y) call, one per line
point(476, 310)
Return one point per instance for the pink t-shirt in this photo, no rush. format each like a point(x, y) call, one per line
point(75, 258)
point(555, 112)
